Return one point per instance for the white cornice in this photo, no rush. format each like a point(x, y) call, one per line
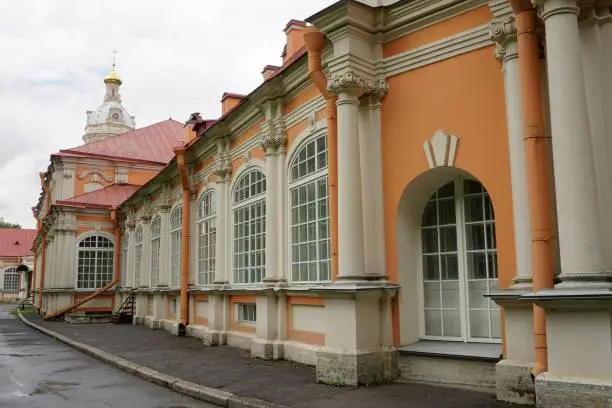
point(449, 47)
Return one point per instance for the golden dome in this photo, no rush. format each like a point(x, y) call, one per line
point(112, 76)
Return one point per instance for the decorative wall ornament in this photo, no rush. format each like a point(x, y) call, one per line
point(130, 222)
point(223, 163)
point(165, 198)
point(351, 82)
point(147, 212)
point(441, 149)
point(95, 176)
point(503, 33)
point(273, 136)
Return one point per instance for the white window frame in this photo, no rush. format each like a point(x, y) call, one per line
point(250, 202)
point(138, 254)
point(12, 272)
point(246, 314)
point(321, 173)
point(206, 254)
point(176, 236)
point(96, 250)
point(462, 271)
point(155, 250)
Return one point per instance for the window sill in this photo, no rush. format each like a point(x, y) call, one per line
point(454, 349)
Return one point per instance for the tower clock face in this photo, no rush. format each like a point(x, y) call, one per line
point(115, 115)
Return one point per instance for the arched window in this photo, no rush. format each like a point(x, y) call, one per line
point(308, 192)
point(459, 261)
point(176, 220)
point(95, 262)
point(125, 244)
point(137, 255)
point(250, 227)
point(155, 246)
point(11, 280)
point(207, 237)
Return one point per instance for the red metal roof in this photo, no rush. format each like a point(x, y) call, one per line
point(107, 197)
point(154, 143)
point(16, 242)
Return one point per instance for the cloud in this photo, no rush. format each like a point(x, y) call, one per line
point(174, 58)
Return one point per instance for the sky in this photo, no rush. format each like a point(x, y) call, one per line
point(174, 58)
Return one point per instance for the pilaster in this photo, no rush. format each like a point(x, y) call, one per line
point(351, 245)
point(223, 172)
point(273, 141)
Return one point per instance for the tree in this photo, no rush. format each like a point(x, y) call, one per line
point(6, 224)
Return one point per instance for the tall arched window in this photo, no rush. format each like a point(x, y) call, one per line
point(125, 244)
point(207, 237)
point(155, 246)
point(11, 280)
point(176, 221)
point(250, 227)
point(137, 255)
point(459, 261)
point(95, 262)
point(308, 192)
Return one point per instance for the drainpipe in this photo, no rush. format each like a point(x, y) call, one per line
point(186, 238)
point(47, 194)
point(314, 40)
point(536, 153)
point(117, 255)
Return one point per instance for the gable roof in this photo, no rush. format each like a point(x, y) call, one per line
point(107, 197)
point(16, 242)
point(153, 143)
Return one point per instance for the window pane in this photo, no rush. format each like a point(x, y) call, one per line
point(473, 209)
point(430, 268)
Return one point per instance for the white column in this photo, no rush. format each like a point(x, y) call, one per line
point(145, 270)
point(371, 178)
point(577, 206)
point(193, 241)
point(51, 261)
point(350, 209)
point(61, 271)
point(282, 214)
point(221, 264)
point(129, 277)
point(271, 213)
point(592, 61)
point(506, 50)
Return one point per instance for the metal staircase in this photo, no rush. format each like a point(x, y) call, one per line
point(126, 311)
point(26, 302)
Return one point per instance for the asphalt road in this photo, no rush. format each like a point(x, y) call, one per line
point(38, 372)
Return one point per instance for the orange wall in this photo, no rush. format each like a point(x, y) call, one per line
point(464, 96)
point(140, 177)
point(246, 135)
point(443, 29)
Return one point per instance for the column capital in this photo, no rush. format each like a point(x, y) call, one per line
point(550, 8)
point(503, 34)
point(273, 137)
point(357, 86)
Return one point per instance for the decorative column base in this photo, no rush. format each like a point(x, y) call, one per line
point(579, 349)
point(270, 315)
point(342, 368)
point(513, 381)
point(358, 337)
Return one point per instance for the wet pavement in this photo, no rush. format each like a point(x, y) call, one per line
point(39, 372)
point(231, 369)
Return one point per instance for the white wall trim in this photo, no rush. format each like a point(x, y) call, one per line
point(457, 44)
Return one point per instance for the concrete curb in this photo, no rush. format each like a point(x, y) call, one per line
point(197, 391)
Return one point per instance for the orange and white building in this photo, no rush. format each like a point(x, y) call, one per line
point(419, 190)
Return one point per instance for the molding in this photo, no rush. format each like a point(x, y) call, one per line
point(92, 172)
point(416, 15)
point(458, 44)
point(504, 35)
point(441, 149)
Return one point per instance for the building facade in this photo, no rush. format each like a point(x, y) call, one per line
point(419, 190)
point(16, 262)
